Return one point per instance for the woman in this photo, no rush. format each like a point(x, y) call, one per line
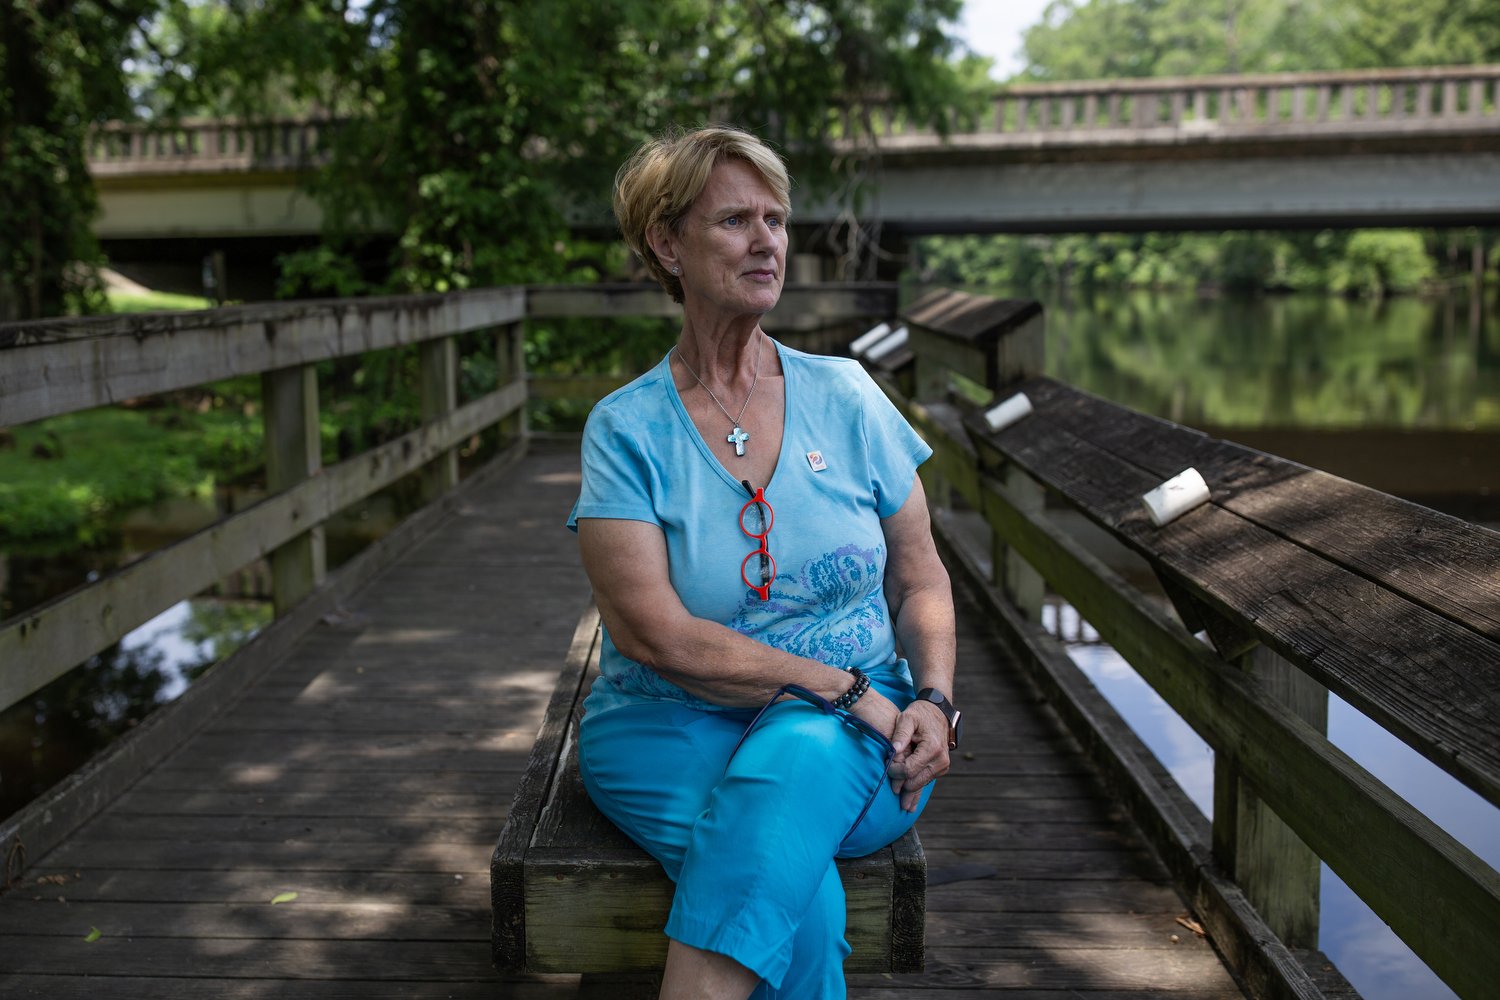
point(750, 517)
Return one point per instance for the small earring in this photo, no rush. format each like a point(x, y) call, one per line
point(676, 269)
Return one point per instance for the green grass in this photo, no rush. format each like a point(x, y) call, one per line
point(63, 480)
point(133, 302)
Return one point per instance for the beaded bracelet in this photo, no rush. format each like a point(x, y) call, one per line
point(856, 690)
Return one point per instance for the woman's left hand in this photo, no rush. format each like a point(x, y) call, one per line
point(921, 744)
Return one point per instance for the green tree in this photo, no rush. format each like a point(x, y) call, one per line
point(484, 131)
point(1420, 32)
point(1107, 39)
point(61, 70)
point(1101, 39)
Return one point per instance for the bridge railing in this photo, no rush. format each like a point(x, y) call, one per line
point(1106, 112)
point(1291, 105)
point(1284, 584)
point(208, 146)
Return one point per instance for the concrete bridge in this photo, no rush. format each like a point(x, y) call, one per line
point(1352, 148)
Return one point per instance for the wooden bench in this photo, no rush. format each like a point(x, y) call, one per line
point(572, 894)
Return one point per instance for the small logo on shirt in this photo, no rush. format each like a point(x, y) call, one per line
point(815, 459)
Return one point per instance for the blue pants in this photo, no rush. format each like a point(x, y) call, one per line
point(750, 841)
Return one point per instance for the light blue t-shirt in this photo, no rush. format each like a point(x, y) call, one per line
point(847, 461)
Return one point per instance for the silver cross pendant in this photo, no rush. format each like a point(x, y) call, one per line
point(738, 438)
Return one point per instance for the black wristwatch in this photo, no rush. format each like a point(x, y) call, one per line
point(955, 717)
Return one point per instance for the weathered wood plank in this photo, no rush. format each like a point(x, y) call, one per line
point(1443, 563)
point(397, 961)
point(871, 988)
point(1143, 931)
point(67, 365)
point(120, 987)
point(437, 382)
point(247, 884)
point(312, 828)
point(261, 920)
point(606, 914)
point(391, 752)
point(1433, 891)
point(507, 864)
point(1430, 680)
point(171, 778)
point(165, 856)
point(1048, 900)
point(1157, 973)
point(421, 801)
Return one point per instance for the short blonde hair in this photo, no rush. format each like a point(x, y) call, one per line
point(664, 177)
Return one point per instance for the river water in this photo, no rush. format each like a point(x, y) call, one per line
point(1401, 394)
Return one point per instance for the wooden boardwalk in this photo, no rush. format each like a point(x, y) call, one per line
point(370, 771)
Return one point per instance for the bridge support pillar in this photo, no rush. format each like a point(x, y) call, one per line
point(293, 453)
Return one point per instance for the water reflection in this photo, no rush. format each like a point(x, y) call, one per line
point(1366, 951)
point(1313, 362)
point(46, 737)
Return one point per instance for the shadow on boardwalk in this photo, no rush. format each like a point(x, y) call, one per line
point(369, 774)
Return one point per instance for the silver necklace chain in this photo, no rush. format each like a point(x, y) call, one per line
point(737, 437)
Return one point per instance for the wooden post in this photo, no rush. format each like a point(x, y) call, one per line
point(510, 365)
point(1277, 871)
point(439, 384)
point(293, 453)
point(991, 342)
point(1015, 577)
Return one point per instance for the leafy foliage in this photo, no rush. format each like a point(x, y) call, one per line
point(1367, 262)
point(480, 131)
point(66, 477)
point(60, 71)
point(1099, 39)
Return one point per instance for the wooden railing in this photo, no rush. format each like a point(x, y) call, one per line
point(48, 368)
point(1387, 102)
point(51, 368)
point(1286, 584)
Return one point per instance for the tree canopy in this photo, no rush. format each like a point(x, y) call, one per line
point(472, 127)
point(1102, 39)
point(60, 71)
point(482, 132)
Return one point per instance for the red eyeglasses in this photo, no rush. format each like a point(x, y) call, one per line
point(763, 517)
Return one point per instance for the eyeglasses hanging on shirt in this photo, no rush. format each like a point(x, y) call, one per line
point(761, 517)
